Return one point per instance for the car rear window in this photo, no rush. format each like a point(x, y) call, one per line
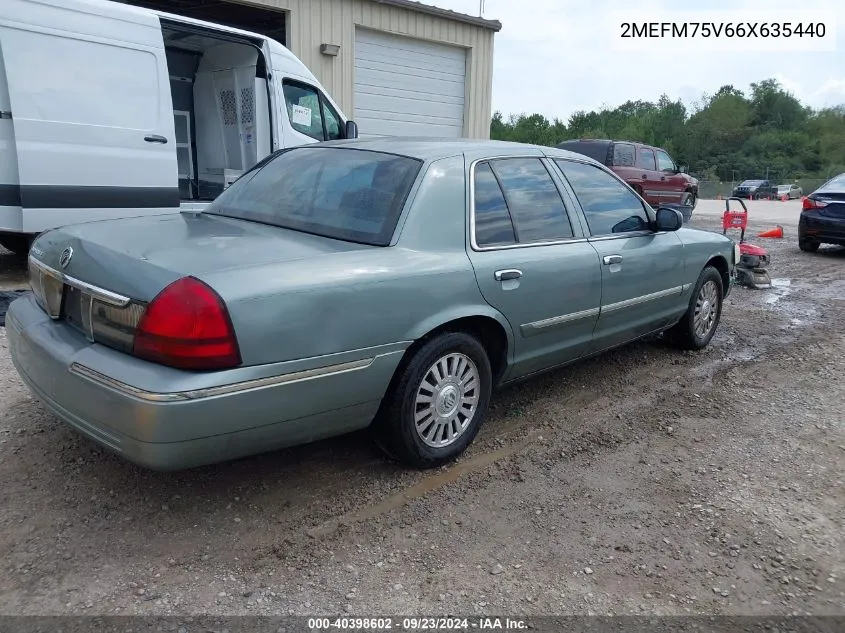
point(837, 183)
point(346, 194)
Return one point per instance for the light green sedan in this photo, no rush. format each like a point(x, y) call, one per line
point(386, 283)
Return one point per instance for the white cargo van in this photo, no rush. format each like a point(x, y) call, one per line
point(109, 110)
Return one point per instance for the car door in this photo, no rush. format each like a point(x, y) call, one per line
point(642, 271)
point(649, 188)
point(625, 164)
point(532, 262)
point(91, 111)
point(671, 182)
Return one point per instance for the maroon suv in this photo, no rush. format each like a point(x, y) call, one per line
point(649, 170)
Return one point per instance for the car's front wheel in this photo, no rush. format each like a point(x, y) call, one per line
point(437, 401)
point(699, 323)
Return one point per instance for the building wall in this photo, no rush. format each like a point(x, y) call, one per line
point(314, 22)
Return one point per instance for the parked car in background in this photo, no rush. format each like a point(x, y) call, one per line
point(792, 192)
point(392, 282)
point(753, 189)
point(650, 171)
point(822, 218)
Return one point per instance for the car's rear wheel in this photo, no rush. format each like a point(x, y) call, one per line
point(437, 402)
point(808, 246)
point(699, 323)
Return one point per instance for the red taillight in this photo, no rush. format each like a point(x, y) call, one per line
point(810, 203)
point(187, 326)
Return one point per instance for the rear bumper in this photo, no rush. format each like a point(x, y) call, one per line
point(188, 424)
point(819, 228)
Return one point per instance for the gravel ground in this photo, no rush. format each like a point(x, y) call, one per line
point(642, 481)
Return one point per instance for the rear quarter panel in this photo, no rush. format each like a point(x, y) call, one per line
point(364, 299)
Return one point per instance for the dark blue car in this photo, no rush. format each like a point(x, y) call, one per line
point(823, 216)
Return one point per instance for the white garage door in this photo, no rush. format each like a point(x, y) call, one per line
point(408, 87)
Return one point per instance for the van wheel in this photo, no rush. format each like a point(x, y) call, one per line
point(700, 321)
point(437, 402)
point(18, 243)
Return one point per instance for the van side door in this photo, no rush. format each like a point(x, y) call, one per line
point(91, 109)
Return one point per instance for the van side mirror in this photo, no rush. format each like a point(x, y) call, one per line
point(668, 219)
point(682, 169)
point(351, 129)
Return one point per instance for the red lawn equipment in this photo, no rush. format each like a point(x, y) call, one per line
point(750, 269)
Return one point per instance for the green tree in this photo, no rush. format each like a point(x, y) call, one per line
point(725, 135)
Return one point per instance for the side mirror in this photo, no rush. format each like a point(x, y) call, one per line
point(351, 129)
point(682, 169)
point(668, 219)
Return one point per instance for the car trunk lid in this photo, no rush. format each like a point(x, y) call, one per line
point(98, 277)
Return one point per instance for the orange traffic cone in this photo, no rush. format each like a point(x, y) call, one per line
point(778, 232)
point(784, 198)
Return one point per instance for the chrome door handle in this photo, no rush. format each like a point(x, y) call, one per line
point(505, 275)
point(612, 259)
point(155, 138)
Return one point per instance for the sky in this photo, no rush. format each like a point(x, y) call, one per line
point(556, 57)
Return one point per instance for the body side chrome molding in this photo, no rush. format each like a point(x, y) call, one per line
point(101, 294)
point(221, 390)
point(546, 325)
point(634, 301)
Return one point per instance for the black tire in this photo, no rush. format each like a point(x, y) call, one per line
point(394, 427)
point(687, 199)
point(808, 246)
point(684, 334)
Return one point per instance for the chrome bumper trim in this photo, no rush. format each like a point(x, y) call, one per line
point(221, 390)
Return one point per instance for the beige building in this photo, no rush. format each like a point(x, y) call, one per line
point(395, 66)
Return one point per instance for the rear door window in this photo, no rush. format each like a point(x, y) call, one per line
point(609, 206)
point(624, 155)
point(493, 224)
point(533, 199)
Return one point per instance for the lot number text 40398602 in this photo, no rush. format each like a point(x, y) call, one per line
point(416, 624)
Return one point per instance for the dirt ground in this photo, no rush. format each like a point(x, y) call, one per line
point(643, 481)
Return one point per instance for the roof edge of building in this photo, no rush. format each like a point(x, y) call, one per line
point(412, 5)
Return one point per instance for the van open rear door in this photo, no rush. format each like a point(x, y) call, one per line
point(91, 109)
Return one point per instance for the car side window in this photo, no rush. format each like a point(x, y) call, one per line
point(533, 199)
point(333, 127)
point(493, 225)
point(645, 159)
point(664, 162)
point(624, 155)
point(304, 112)
point(610, 206)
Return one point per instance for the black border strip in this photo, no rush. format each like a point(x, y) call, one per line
point(82, 197)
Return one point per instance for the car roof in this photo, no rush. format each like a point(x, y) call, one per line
point(425, 148)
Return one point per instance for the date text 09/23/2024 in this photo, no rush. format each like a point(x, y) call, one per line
point(415, 624)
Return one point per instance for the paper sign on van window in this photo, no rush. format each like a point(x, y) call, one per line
point(300, 115)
